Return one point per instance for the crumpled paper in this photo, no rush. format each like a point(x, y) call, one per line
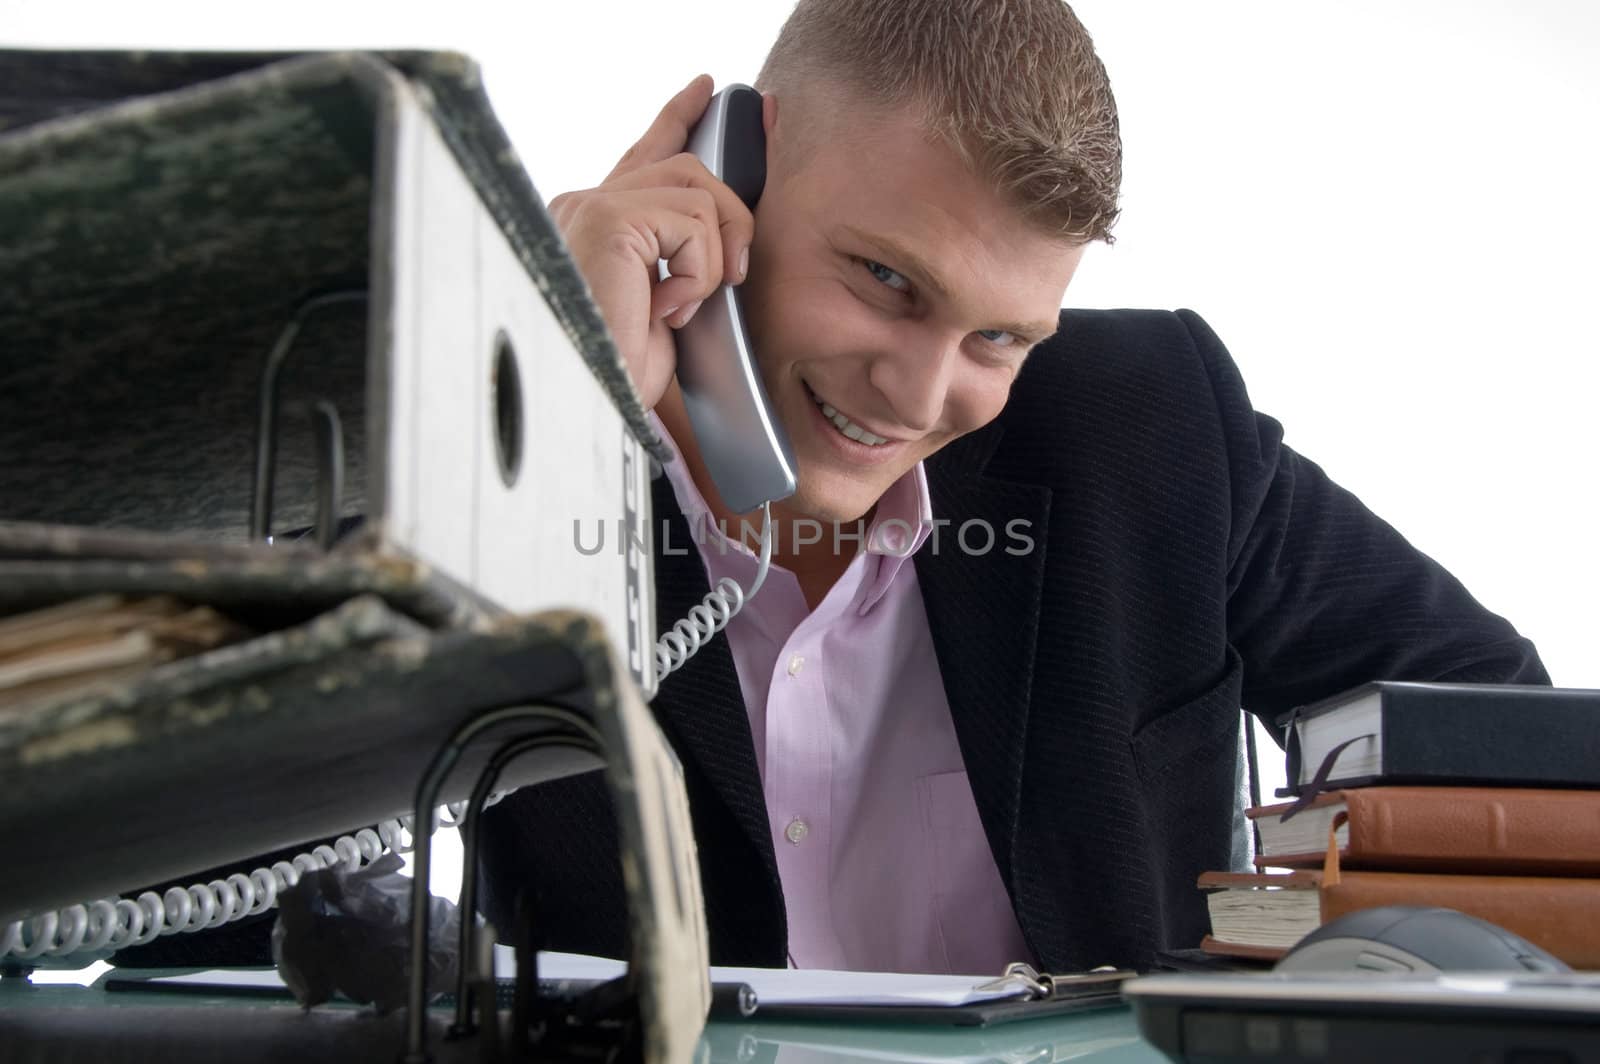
point(349, 933)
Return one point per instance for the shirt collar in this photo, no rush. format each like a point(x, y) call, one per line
point(901, 524)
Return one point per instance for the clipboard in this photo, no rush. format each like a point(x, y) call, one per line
point(1021, 993)
point(1027, 994)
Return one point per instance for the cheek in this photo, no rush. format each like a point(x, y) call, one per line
point(803, 318)
point(977, 397)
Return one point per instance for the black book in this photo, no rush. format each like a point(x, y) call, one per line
point(1446, 733)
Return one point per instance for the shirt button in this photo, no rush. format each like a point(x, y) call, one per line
point(796, 663)
point(797, 831)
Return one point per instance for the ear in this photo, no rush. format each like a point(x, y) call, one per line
point(769, 113)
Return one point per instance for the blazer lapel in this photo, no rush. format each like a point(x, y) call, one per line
point(701, 706)
point(983, 613)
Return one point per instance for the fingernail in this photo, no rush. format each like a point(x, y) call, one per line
point(669, 312)
point(744, 263)
point(688, 312)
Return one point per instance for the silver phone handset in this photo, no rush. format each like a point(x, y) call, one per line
point(743, 443)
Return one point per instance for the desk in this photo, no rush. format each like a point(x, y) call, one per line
point(1106, 1036)
point(86, 1024)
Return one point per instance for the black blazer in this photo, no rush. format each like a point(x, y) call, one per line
point(1186, 564)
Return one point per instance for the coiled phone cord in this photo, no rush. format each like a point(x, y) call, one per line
point(110, 924)
point(712, 615)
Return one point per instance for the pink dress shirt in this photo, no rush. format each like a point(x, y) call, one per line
point(884, 863)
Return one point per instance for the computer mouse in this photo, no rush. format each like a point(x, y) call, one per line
point(1395, 939)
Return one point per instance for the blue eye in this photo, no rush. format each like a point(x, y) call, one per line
point(998, 337)
point(889, 277)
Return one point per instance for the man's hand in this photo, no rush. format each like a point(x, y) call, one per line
point(658, 203)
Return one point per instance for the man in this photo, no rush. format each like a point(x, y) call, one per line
point(1022, 745)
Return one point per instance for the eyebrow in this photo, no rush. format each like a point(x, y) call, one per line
point(902, 258)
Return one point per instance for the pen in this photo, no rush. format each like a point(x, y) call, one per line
point(732, 1001)
point(729, 1001)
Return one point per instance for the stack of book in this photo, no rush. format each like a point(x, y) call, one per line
point(1480, 798)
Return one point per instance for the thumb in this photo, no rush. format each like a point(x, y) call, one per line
point(669, 133)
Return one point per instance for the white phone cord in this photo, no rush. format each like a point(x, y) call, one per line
point(714, 612)
point(111, 924)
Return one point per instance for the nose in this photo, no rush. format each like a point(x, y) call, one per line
point(914, 377)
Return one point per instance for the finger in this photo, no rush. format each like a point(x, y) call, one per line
point(641, 227)
point(693, 254)
point(735, 223)
point(676, 299)
point(669, 133)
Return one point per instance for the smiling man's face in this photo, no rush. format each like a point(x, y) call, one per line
point(892, 298)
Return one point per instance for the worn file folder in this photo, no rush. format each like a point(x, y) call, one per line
point(199, 251)
point(292, 338)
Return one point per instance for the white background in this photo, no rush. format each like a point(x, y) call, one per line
point(1386, 208)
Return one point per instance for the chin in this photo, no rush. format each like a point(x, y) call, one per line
point(840, 506)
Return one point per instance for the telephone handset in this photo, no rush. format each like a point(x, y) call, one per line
point(743, 443)
point(741, 440)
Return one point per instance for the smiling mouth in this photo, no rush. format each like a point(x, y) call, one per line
point(847, 428)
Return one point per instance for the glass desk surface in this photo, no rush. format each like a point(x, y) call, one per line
point(1103, 1036)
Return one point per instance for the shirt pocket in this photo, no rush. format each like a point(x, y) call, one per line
point(972, 912)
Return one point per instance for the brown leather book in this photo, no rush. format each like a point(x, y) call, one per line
point(1273, 911)
point(1487, 830)
point(1218, 948)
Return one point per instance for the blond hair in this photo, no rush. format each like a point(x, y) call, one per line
point(1014, 86)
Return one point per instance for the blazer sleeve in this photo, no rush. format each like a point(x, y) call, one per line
point(1322, 594)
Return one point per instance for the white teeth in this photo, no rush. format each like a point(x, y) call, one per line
point(847, 427)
